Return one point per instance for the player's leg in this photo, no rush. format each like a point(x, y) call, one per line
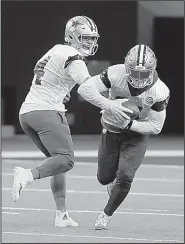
point(33, 135)
point(108, 158)
point(58, 187)
point(53, 132)
point(131, 155)
point(57, 182)
point(55, 136)
point(59, 144)
point(22, 177)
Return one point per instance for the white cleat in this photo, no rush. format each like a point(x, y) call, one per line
point(22, 177)
point(102, 221)
point(63, 220)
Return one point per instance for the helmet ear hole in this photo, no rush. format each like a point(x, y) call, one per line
point(66, 39)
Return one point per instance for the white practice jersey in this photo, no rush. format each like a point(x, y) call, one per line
point(153, 97)
point(55, 74)
point(112, 83)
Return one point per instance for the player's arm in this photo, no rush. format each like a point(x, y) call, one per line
point(156, 119)
point(92, 90)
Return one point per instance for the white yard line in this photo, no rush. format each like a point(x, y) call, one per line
point(89, 153)
point(10, 213)
point(91, 177)
point(96, 212)
point(102, 192)
point(117, 212)
point(88, 236)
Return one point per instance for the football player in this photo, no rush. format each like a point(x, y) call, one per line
point(42, 114)
point(123, 142)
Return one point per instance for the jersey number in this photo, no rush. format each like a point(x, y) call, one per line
point(39, 70)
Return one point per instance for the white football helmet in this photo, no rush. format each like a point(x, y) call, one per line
point(140, 64)
point(82, 33)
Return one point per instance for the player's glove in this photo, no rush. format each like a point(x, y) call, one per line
point(67, 98)
point(116, 108)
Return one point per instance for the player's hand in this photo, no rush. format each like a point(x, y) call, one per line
point(67, 98)
point(116, 108)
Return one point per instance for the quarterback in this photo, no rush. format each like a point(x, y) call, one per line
point(123, 142)
point(42, 114)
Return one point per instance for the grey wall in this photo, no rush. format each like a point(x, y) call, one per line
point(148, 10)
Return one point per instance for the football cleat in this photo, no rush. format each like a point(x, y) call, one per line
point(63, 220)
point(22, 177)
point(102, 221)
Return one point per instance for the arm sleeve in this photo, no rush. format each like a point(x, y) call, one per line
point(156, 115)
point(153, 125)
point(91, 91)
point(78, 71)
point(161, 105)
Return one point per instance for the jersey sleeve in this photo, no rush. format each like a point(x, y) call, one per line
point(76, 67)
point(113, 75)
point(157, 113)
point(92, 90)
point(162, 98)
point(73, 58)
point(153, 125)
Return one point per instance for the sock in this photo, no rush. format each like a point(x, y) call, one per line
point(35, 174)
point(60, 204)
point(106, 215)
point(30, 176)
point(117, 197)
point(58, 187)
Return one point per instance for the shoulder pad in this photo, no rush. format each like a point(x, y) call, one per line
point(73, 58)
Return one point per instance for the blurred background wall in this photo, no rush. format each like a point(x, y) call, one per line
point(30, 28)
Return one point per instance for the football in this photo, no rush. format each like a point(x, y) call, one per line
point(132, 106)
